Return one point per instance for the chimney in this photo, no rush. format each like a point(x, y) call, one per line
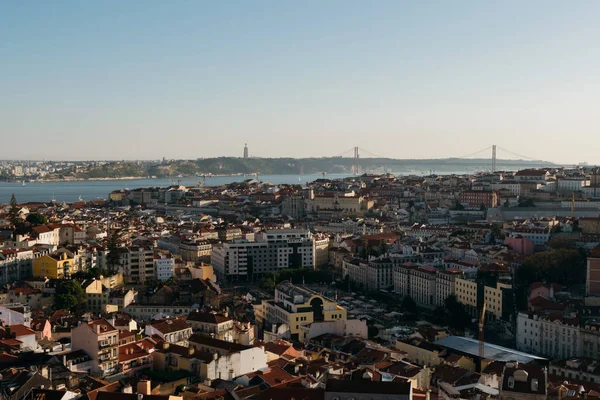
point(143, 388)
point(552, 290)
point(98, 329)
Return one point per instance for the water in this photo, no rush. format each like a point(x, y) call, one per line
point(96, 190)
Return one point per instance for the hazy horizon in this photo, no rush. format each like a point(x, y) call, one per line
point(144, 80)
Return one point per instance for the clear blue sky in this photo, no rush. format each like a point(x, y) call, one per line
point(117, 79)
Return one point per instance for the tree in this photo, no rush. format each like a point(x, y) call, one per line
point(37, 219)
point(114, 251)
point(409, 305)
point(458, 206)
point(482, 207)
point(69, 294)
point(563, 266)
point(13, 212)
point(526, 202)
point(456, 316)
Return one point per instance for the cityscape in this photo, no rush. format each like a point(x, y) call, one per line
point(316, 200)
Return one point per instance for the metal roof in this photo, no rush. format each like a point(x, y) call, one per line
point(491, 351)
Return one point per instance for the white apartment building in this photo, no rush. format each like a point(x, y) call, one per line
point(374, 274)
point(559, 339)
point(402, 278)
point(229, 360)
point(422, 285)
point(15, 264)
point(214, 325)
point(539, 236)
point(164, 265)
point(174, 331)
point(137, 264)
point(513, 187)
point(99, 339)
point(574, 184)
point(15, 314)
point(272, 250)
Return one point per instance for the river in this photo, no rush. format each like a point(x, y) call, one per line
point(71, 191)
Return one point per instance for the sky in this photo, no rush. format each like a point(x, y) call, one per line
point(146, 79)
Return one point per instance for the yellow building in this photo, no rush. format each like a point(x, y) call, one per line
point(494, 300)
point(466, 292)
point(422, 352)
point(53, 266)
point(296, 306)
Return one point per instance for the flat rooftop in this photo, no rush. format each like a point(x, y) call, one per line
point(491, 351)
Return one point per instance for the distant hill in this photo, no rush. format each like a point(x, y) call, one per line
point(280, 166)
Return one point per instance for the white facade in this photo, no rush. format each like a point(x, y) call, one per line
point(513, 187)
point(165, 266)
point(372, 275)
point(15, 314)
point(348, 327)
point(538, 236)
point(554, 339)
point(15, 265)
point(571, 184)
point(272, 250)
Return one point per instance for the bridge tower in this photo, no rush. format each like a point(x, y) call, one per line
point(356, 166)
point(494, 158)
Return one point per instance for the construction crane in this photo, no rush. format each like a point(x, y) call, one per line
point(481, 323)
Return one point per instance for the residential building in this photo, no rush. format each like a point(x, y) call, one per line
point(137, 264)
point(467, 294)
point(15, 265)
point(346, 203)
point(551, 337)
point(272, 250)
point(174, 331)
point(524, 381)
point(295, 306)
point(195, 251)
point(421, 351)
point(96, 295)
point(532, 175)
point(15, 314)
point(135, 356)
point(148, 312)
point(212, 324)
point(293, 206)
point(164, 265)
point(336, 389)
point(402, 278)
point(99, 339)
point(592, 281)
point(53, 266)
point(478, 198)
point(321, 250)
point(423, 285)
point(229, 360)
point(371, 275)
point(445, 282)
point(538, 235)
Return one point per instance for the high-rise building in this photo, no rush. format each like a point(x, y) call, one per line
point(272, 250)
point(245, 150)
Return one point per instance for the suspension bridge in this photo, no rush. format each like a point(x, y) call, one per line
point(358, 153)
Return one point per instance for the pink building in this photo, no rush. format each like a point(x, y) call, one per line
point(520, 245)
point(537, 289)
